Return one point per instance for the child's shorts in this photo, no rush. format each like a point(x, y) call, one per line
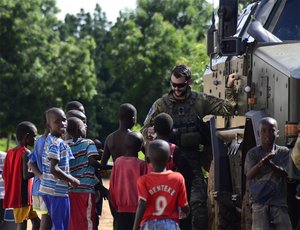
point(9, 215)
point(24, 213)
point(160, 224)
point(39, 205)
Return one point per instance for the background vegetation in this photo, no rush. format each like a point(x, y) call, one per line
point(45, 62)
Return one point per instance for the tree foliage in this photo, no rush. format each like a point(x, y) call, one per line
point(37, 70)
point(45, 62)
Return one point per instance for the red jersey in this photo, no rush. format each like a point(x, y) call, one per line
point(17, 190)
point(123, 179)
point(170, 164)
point(164, 193)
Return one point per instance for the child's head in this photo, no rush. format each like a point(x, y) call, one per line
point(56, 121)
point(268, 131)
point(75, 105)
point(76, 127)
point(133, 142)
point(163, 124)
point(76, 113)
point(158, 153)
point(127, 115)
point(26, 132)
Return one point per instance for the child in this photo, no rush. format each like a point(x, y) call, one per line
point(161, 193)
point(123, 192)
point(82, 198)
point(17, 179)
point(114, 143)
point(162, 125)
point(75, 105)
point(265, 168)
point(74, 113)
point(35, 164)
point(56, 175)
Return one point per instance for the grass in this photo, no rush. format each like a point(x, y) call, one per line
point(3, 142)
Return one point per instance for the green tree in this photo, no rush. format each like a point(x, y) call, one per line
point(37, 70)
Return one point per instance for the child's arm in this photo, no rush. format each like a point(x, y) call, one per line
point(255, 169)
point(93, 161)
point(186, 212)
point(106, 153)
point(35, 170)
point(58, 173)
point(277, 169)
point(139, 214)
point(26, 174)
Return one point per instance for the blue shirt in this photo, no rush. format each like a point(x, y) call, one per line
point(36, 157)
point(82, 149)
point(55, 148)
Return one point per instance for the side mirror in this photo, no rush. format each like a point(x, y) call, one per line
point(211, 42)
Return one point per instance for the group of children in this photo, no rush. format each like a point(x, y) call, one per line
point(161, 194)
point(65, 165)
point(143, 194)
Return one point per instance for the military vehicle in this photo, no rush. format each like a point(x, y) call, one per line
point(262, 46)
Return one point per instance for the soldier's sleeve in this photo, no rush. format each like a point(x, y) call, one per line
point(218, 106)
point(155, 109)
point(296, 153)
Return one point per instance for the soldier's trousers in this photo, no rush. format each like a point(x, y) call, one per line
point(198, 200)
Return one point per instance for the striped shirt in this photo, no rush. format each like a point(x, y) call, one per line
point(82, 149)
point(55, 148)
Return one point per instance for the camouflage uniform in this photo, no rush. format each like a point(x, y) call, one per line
point(189, 133)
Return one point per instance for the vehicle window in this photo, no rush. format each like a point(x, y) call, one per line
point(288, 25)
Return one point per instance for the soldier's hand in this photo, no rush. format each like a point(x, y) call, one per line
point(230, 80)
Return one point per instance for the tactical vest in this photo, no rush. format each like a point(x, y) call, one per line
point(188, 127)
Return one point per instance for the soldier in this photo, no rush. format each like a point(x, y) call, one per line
point(187, 108)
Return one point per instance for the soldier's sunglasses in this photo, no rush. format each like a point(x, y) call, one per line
point(178, 85)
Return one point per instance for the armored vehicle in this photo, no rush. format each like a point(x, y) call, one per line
point(262, 46)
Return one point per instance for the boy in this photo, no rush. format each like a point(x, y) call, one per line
point(35, 164)
point(162, 125)
point(75, 105)
point(125, 173)
point(114, 143)
point(161, 193)
point(56, 175)
point(265, 168)
point(74, 113)
point(82, 198)
point(17, 179)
